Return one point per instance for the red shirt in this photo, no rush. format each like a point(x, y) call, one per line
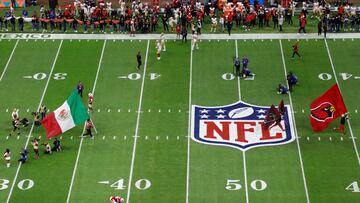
point(89, 124)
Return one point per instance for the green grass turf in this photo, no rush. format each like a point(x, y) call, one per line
point(161, 148)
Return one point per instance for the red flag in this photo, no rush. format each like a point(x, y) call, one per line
point(281, 107)
point(326, 108)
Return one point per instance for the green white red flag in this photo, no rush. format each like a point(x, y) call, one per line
point(71, 113)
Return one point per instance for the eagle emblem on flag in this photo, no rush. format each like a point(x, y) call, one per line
point(240, 125)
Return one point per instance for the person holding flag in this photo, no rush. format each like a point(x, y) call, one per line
point(341, 128)
point(326, 108)
point(88, 127)
point(71, 113)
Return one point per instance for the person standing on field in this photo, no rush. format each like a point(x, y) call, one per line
point(88, 127)
point(42, 111)
point(80, 89)
point(138, 59)
point(7, 157)
point(295, 50)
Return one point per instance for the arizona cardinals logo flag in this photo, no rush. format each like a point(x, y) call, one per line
point(326, 108)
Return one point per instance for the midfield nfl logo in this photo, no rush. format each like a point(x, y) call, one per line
point(239, 125)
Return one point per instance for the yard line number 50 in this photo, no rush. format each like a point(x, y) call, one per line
point(257, 185)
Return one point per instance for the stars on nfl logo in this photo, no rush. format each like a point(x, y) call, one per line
point(239, 125)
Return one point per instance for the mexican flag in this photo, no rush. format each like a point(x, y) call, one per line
point(71, 113)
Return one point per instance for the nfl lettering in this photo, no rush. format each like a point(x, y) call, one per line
point(239, 125)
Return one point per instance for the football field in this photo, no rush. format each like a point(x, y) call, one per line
point(143, 149)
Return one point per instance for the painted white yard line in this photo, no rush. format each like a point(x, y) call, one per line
point(82, 138)
point(137, 125)
point(8, 62)
point(32, 126)
point(296, 133)
point(348, 121)
point(244, 155)
point(189, 129)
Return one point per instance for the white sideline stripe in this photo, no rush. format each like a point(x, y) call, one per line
point(32, 126)
point(82, 138)
point(337, 82)
point(137, 124)
point(296, 133)
point(8, 62)
point(189, 130)
point(217, 36)
point(244, 155)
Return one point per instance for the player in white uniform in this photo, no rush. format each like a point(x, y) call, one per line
point(116, 199)
point(90, 102)
point(7, 157)
point(195, 41)
point(158, 49)
point(15, 114)
point(213, 24)
point(162, 41)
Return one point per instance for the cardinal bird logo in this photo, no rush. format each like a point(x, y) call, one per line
point(323, 111)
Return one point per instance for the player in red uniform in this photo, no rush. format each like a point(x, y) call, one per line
point(295, 50)
point(341, 128)
point(116, 199)
point(90, 102)
point(88, 127)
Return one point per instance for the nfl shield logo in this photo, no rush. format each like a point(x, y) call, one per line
point(239, 125)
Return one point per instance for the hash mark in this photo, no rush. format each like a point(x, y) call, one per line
point(125, 137)
point(167, 137)
point(302, 110)
point(103, 137)
point(27, 110)
point(108, 110)
point(177, 137)
point(330, 139)
point(39, 137)
point(114, 137)
point(18, 137)
point(98, 110)
point(169, 110)
point(71, 137)
point(149, 110)
point(319, 138)
point(341, 138)
point(146, 137)
point(119, 110)
point(6, 110)
point(7, 137)
point(308, 139)
point(157, 137)
point(60, 137)
point(129, 110)
point(179, 110)
point(355, 110)
point(159, 110)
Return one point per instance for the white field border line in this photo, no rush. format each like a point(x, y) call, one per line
point(189, 128)
point(244, 155)
point(32, 126)
point(8, 62)
point(348, 121)
point(137, 124)
point(296, 133)
point(82, 138)
point(265, 36)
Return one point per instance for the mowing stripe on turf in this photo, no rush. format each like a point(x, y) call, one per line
point(243, 152)
point(337, 82)
point(137, 124)
point(8, 62)
point(296, 134)
point(189, 130)
point(32, 126)
point(82, 138)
